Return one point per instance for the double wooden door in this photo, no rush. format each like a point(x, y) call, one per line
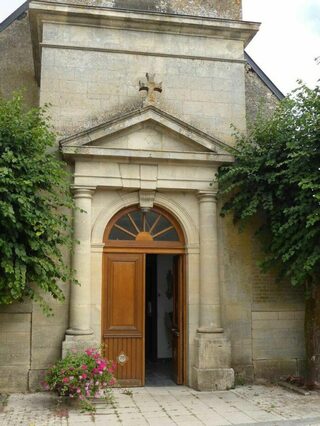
point(123, 316)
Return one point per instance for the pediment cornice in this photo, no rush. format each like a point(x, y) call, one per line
point(87, 143)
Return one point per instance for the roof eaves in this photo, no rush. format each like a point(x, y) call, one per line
point(15, 15)
point(264, 77)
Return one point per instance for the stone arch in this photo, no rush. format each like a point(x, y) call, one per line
point(125, 200)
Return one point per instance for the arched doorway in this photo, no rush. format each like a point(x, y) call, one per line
point(143, 294)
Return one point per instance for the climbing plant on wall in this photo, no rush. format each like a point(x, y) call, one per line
point(276, 175)
point(34, 203)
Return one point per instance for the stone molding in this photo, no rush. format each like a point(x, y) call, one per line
point(138, 116)
point(39, 12)
point(141, 53)
point(207, 196)
point(184, 218)
point(146, 199)
point(83, 192)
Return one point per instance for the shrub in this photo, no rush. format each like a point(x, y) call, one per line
point(35, 198)
point(82, 375)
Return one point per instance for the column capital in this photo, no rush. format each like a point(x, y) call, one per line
point(83, 191)
point(207, 196)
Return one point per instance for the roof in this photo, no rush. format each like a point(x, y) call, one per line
point(17, 14)
point(263, 77)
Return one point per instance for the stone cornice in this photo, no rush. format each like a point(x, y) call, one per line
point(74, 152)
point(157, 115)
point(155, 22)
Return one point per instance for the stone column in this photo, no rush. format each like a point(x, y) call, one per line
point(79, 331)
point(212, 368)
point(210, 315)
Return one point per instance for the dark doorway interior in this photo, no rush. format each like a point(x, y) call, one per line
point(158, 324)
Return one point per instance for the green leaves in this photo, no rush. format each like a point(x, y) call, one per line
point(34, 196)
point(277, 174)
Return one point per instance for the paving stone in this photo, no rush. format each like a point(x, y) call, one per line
point(261, 405)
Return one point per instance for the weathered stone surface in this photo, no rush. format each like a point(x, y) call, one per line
point(258, 96)
point(15, 351)
point(13, 379)
point(212, 366)
point(79, 344)
point(227, 9)
point(213, 379)
point(16, 65)
point(36, 377)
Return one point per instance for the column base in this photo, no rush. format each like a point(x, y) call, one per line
point(212, 367)
point(77, 332)
point(78, 343)
point(215, 379)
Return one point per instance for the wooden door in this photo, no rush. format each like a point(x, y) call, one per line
point(178, 321)
point(123, 315)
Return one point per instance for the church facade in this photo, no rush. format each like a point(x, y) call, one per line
point(142, 96)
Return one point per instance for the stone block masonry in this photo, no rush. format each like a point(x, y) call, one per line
point(278, 343)
point(15, 351)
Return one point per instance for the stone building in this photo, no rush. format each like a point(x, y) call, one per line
point(142, 94)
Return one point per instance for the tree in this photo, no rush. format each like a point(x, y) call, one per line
point(34, 198)
point(276, 175)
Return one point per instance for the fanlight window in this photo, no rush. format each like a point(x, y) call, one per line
point(138, 225)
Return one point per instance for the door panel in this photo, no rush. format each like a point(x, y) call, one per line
point(178, 320)
point(123, 315)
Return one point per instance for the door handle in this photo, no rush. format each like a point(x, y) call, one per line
point(175, 332)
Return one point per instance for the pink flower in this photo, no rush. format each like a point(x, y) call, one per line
point(84, 367)
point(71, 377)
point(84, 376)
point(102, 365)
point(78, 390)
point(112, 382)
point(95, 370)
point(65, 379)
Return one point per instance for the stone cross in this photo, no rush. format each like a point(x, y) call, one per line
point(150, 88)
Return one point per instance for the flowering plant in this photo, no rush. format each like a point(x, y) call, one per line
point(81, 375)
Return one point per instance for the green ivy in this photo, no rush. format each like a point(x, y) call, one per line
point(276, 174)
point(34, 204)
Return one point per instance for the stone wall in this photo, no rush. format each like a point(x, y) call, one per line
point(16, 73)
point(15, 347)
point(85, 89)
point(16, 65)
point(259, 97)
point(226, 9)
point(277, 317)
point(265, 317)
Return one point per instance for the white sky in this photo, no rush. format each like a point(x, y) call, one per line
point(286, 45)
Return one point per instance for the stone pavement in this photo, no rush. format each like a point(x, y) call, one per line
point(172, 405)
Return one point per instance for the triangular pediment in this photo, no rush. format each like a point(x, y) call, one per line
point(146, 129)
